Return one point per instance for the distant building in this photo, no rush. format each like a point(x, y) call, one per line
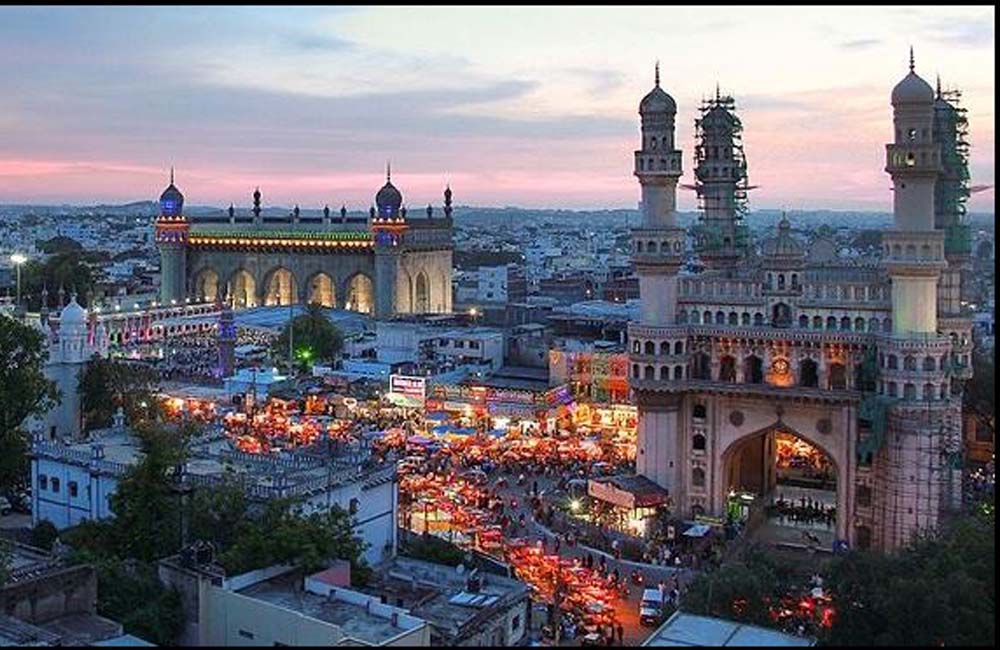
point(690, 630)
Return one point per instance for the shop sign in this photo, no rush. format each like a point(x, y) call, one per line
point(414, 388)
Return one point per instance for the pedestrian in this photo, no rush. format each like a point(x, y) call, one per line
point(621, 634)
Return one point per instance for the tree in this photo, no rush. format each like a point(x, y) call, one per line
point(59, 244)
point(24, 391)
point(106, 384)
point(44, 535)
point(940, 590)
point(281, 536)
point(217, 512)
point(146, 504)
point(69, 269)
point(980, 390)
point(314, 337)
point(6, 560)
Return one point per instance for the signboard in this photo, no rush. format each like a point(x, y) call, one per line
point(412, 388)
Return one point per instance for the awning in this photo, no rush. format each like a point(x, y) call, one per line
point(628, 491)
point(698, 530)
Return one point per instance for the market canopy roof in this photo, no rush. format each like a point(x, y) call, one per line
point(628, 491)
point(698, 530)
point(683, 629)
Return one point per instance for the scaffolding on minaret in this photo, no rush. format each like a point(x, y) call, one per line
point(721, 180)
point(952, 191)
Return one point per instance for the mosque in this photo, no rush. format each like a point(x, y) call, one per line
point(787, 363)
point(388, 264)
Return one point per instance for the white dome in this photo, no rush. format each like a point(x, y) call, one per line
point(912, 90)
point(72, 313)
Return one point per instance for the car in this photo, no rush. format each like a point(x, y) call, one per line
point(5, 506)
point(650, 607)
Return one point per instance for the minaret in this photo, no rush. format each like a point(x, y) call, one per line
point(918, 476)
point(227, 341)
point(914, 249)
point(447, 201)
point(658, 252)
point(658, 244)
point(343, 214)
point(326, 215)
point(256, 207)
point(388, 226)
point(721, 183)
point(171, 237)
point(232, 213)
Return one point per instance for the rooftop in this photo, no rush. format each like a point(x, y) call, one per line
point(683, 629)
point(353, 618)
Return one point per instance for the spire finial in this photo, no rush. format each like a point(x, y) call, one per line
point(939, 86)
point(171, 174)
point(911, 58)
point(388, 172)
point(657, 74)
point(717, 94)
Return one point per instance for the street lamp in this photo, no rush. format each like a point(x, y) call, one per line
point(18, 259)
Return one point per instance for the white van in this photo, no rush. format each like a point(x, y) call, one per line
point(650, 607)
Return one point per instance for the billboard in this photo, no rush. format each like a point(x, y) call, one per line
point(414, 389)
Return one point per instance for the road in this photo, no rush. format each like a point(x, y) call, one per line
point(627, 610)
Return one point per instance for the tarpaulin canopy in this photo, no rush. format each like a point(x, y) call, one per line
point(698, 530)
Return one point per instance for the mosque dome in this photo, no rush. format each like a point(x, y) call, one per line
point(784, 245)
point(657, 100)
point(388, 200)
point(72, 314)
point(171, 201)
point(912, 90)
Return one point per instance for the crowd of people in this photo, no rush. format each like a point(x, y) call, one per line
point(804, 510)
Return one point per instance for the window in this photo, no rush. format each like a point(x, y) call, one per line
point(55, 485)
point(73, 488)
point(699, 443)
point(804, 321)
point(679, 347)
point(911, 135)
point(838, 376)
point(474, 345)
point(809, 373)
point(459, 344)
point(664, 373)
point(893, 391)
point(650, 372)
point(909, 363)
point(665, 347)
point(699, 411)
point(893, 362)
point(43, 482)
point(864, 496)
point(515, 624)
point(727, 369)
point(650, 347)
point(698, 477)
point(678, 373)
point(909, 392)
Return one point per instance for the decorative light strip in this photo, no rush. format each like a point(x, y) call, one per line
point(284, 235)
point(201, 240)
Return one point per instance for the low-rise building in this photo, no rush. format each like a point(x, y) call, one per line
point(470, 609)
point(279, 605)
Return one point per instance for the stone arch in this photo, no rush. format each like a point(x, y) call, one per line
point(808, 373)
point(206, 285)
point(753, 370)
point(321, 290)
point(360, 294)
point(244, 289)
point(280, 287)
point(421, 294)
point(727, 368)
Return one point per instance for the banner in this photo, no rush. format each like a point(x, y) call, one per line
point(414, 389)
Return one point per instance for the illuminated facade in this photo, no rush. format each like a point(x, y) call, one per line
point(860, 358)
point(384, 265)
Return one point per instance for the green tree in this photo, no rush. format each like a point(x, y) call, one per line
point(217, 512)
point(146, 504)
point(24, 391)
point(6, 560)
point(43, 535)
point(106, 384)
point(314, 337)
point(59, 244)
point(71, 270)
point(282, 536)
point(980, 391)
point(940, 590)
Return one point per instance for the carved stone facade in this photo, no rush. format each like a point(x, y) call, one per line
point(849, 355)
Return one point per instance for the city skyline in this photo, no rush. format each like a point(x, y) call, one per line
point(528, 106)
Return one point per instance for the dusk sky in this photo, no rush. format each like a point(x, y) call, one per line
point(533, 107)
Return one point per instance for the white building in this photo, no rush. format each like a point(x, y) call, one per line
point(74, 482)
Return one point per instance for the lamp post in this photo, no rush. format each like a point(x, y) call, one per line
point(18, 259)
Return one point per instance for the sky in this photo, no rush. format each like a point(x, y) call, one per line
point(521, 106)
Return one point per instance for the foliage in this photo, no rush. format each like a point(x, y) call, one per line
point(130, 592)
point(281, 536)
point(106, 384)
point(216, 514)
point(59, 244)
point(941, 590)
point(314, 338)
point(70, 270)
point(434, 549)
point(741, 591)
point(145, 503)
point(24, 391)
point(43, 535)
point(980, 391)
point(6, 560)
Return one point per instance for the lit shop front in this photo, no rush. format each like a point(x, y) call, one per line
point(628, 504)
point(521, 410)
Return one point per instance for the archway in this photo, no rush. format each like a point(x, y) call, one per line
point(281, 288)
point(421, 294)
point(792, 479)
point(360, 294)
point(321, 290)
point(206, 286)
point(244, 289)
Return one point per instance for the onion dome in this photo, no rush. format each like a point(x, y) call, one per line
point(389, 199)
point(171, 201)
point(657, 100)
point(72, 314)
point(912, 89)
point(785, 245)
